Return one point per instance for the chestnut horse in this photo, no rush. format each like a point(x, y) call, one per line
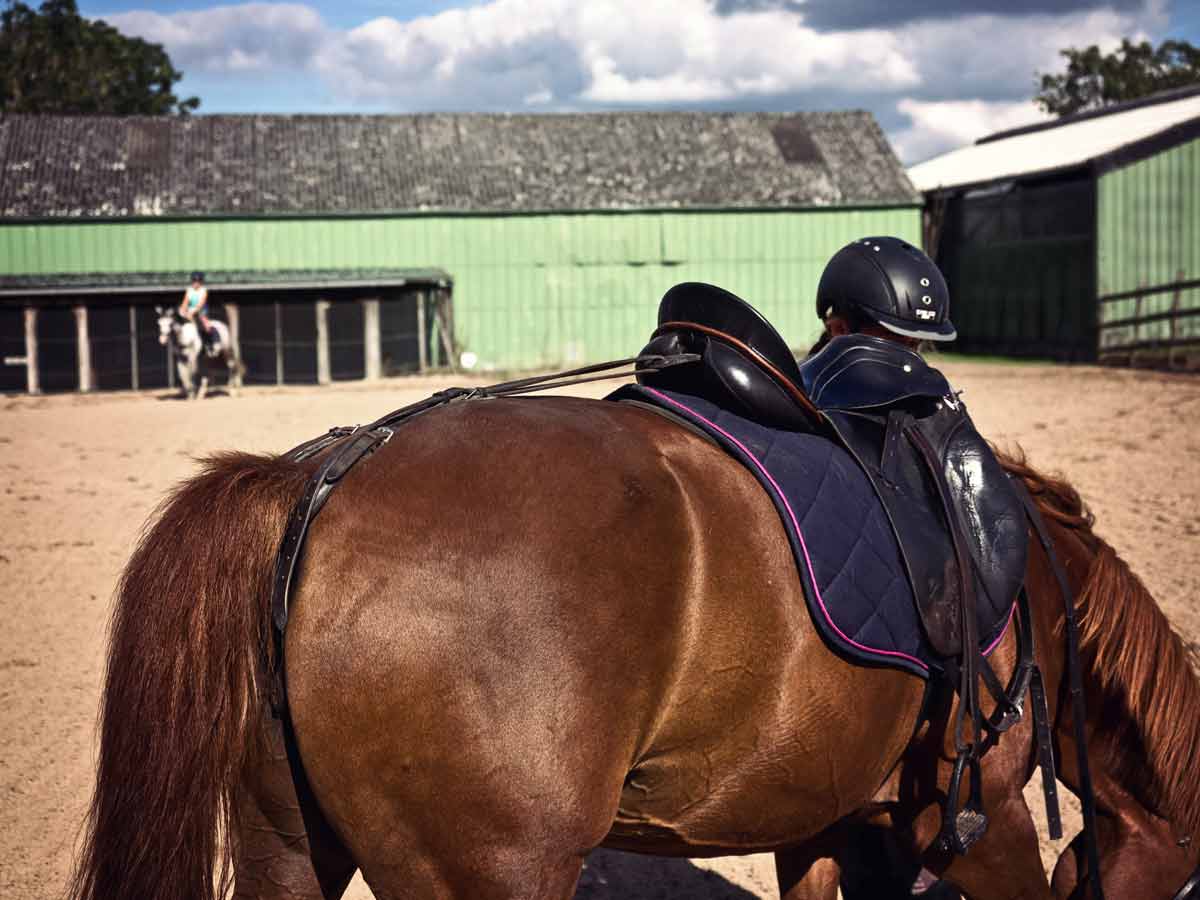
point(527, 628)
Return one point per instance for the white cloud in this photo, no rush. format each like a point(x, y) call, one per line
point(941, 125)
point(990, 60)
point(951, 80)
point(249, 37)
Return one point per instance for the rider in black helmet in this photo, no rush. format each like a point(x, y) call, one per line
point(885, 287)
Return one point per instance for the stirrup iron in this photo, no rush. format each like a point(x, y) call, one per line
point(963, 826)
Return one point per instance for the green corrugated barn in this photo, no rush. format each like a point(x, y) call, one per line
point(1077, 239)
point(557, 234)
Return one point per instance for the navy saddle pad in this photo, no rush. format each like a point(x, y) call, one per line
point(854, 580)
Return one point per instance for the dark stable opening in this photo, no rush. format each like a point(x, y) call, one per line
point(152, 356)
point(257, 326)
point(345, 321)
point(111, 351)
point(58, 349)
point(398, 333)
point(299, 324)
point(12, 347)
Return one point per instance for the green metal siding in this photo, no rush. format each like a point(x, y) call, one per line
point(536, 290)
point(1148, 236)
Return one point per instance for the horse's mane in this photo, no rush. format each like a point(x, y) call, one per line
point(1149, 690)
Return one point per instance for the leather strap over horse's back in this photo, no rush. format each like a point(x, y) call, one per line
point(347, 446)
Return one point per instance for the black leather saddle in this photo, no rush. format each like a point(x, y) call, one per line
point(936, 477)
point(744, 365)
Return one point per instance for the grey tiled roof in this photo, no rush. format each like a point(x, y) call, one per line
point(61, 166)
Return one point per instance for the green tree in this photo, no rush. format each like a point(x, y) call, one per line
point(1093, 79)
point(55, 61)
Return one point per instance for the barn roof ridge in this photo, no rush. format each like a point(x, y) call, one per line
point(87, 167)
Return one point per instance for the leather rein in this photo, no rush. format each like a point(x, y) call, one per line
point(1191, 887)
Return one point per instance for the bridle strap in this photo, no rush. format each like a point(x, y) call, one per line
point(1190, 887)
point(1087, 795)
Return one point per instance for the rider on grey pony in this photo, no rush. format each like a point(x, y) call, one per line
point(194, 308)
point(884, 287)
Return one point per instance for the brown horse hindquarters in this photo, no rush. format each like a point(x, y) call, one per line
point(526, 627)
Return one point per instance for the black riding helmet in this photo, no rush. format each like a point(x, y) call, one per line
point(198, 276)
point(889, 281)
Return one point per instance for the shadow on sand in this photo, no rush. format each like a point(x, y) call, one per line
point(612, 875)
point(212, 393)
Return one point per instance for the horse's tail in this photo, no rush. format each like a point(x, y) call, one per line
point(182, 708)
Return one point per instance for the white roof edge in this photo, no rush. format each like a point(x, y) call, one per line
point(1067, 145)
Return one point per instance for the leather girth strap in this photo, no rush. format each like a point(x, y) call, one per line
point(1087, 795)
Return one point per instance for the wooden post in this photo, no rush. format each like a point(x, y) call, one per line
point(133, 348)
point(324, 375)
point(278, 343)
point(372, 347)
point(84, 348)
point(422, 342)
point(31, 351)
point(435, 348)
point(235, 328)
point(445, 314)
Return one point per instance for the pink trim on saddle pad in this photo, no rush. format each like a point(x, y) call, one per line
point(1012, 611)
point(803, 546)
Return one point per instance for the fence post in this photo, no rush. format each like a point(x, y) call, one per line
point(278, 343)
point(323, 371)
point(422, 341)
point(84, 347)
point(31, 351)
point(133, 348)
point(445, 314)
point(372, 349)
point(235, 328)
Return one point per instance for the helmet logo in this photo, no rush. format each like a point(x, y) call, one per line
point(926, 313)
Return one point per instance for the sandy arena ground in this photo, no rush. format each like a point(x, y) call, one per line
point(82, 474)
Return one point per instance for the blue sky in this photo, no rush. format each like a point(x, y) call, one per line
point(936, 73)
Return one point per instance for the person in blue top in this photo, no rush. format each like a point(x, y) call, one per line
point(194, 307)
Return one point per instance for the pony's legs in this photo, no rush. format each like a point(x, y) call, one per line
point(233, 374)
point(286, 849)
point(185, 376)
